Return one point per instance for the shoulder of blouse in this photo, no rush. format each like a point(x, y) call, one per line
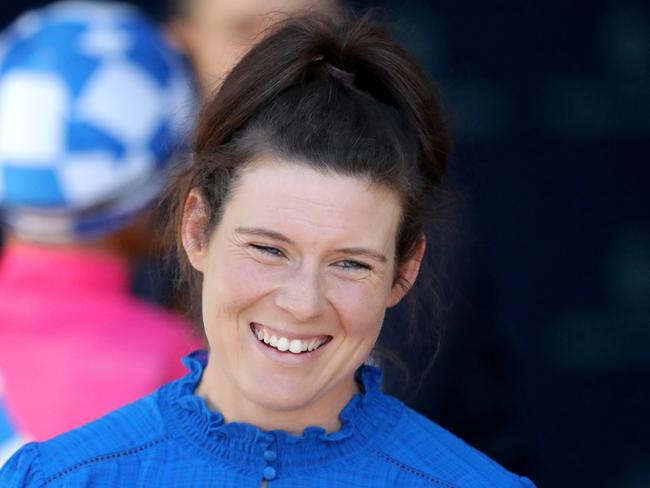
point(429, 452)
point(22, 469)
point(130, 430)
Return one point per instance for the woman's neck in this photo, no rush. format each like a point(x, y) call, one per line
point(222, 395)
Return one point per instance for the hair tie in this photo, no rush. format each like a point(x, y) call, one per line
point(339, 74)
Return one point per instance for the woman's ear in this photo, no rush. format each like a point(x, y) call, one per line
point(193, 229)
point(408, 273)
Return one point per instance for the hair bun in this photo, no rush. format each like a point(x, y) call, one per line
point(355, 51)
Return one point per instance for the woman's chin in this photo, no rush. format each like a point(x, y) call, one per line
point(281, 391)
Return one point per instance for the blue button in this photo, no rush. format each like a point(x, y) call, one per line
point(269, 473)
point(270, 455)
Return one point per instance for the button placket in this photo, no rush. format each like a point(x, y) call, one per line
point(270, 456)
point(269, 473)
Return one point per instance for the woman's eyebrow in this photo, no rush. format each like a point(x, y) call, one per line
point(362, 251)
point(262, 232)
point(277, 236)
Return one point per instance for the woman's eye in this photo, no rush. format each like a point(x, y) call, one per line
point(349, 265)
point(268, 250)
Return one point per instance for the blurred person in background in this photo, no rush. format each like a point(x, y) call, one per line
point(92, 102)
point(217, 33)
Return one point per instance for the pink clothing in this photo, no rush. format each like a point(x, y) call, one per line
point(74, 344)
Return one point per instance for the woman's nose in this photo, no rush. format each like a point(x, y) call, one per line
point(302, 295)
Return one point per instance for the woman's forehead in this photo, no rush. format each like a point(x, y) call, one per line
point(303, 200)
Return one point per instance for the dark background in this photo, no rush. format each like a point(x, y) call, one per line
point(545, 364)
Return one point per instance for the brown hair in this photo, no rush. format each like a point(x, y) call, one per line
point(338, 95)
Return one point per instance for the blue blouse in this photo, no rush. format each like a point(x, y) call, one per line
point(171, 439)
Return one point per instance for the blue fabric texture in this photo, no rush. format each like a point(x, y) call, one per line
point(171, 439)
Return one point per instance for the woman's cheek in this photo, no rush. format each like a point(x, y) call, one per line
point(359, 305)
point(245, 280)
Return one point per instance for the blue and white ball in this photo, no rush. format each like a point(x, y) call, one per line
point(93, 103)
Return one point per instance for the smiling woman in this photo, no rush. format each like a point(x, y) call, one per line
point(299, 222)
point(301, 259)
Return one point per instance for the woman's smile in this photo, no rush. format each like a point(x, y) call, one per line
point(286, 350)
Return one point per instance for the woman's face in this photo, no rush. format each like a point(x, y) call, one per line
point(296, 280)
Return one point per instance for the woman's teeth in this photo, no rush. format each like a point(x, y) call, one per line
point(283, 344)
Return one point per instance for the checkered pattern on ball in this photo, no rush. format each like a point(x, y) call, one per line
point(93, 101)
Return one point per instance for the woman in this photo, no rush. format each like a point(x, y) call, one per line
point(299, 223)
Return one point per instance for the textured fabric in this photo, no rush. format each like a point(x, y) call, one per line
point(74, 345)
point(171, 439)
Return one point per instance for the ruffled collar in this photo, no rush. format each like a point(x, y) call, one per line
point(368, 418)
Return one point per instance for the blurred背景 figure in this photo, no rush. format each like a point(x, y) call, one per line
point(93, 102)
point(217, 33)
